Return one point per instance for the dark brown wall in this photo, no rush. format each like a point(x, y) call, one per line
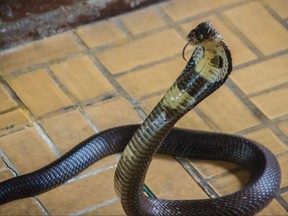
point(24, 20)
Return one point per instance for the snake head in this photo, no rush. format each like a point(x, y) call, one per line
point(204, 32)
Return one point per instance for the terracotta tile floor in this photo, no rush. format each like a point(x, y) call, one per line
point(57, 91)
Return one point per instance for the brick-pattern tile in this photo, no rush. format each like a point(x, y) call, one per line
point(13, 119)
point(104, 163)
point(163, 179)
point(6, 101)
point(82, 78)
point(244, 18)
point(113, 209)
point(2, 164)
point(154, 47)
point(182, 9)
point(39, 92)
point(284, 127)
point(283, 161)
point(38, 52)
point(113, 113)
point(208, 168)
point(268, 139)
point(259, 77)
point(273, 104)
point(141, 51)
point(67, 130)
point(191, 120)
point(99, 34)
point(285, 196)
point(241, 53)
point(26, 150)
point(148, 104)
point(279, 6)
point(142, 21)
point(21, 207)
point(226, 112)
point(152, 79)
point(274, 208)
point(65, 199)
point(4, 175)
point(230, 183)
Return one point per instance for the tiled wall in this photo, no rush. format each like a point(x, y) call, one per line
point(57, 91)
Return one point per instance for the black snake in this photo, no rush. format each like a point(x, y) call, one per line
point(207, 69)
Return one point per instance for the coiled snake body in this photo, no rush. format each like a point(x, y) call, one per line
point(207, 69)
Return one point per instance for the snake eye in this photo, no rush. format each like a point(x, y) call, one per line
point(200, 36)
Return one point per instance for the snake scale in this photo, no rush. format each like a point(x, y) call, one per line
point(206, 70)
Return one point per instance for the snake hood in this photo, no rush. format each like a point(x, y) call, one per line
point(209, 66)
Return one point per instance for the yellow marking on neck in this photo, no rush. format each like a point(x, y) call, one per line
point(205, 69)
point(175, 97)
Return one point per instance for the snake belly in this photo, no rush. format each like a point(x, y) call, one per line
point(206, 70)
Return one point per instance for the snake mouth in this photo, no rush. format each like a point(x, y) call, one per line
point(183, 51)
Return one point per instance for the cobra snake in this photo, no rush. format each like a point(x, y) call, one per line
point(206, 70)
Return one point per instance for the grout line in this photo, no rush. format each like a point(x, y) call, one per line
point(33, 119)
point(256, 111)
point(94, 207)
point(61, 86)
point(12, 130)
point(38, 66)
point(11, 109)
point(245, 100)
point(121, 91)
point(226, 173)
point(283, 189)
point(197, 177)
point(12, 93)
point(121, 26)
point(106, 73)
point(251, 129)
point(147, 65)
point(282, 202)
point(52, 146)
point(92, 173)
point(89, 121)
point(73, 99)
point(233, 28)
point(209, 122)
point(85, 50)
point(41, 206)
point(8, 163)
point(16, 173)
point(257, 61)
point(169, 21)
point(152, 95)
point(273, 13)
point(212, 12)
point(280, 155)
point(279, 134)
point(11, 167)
point(267, 90)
